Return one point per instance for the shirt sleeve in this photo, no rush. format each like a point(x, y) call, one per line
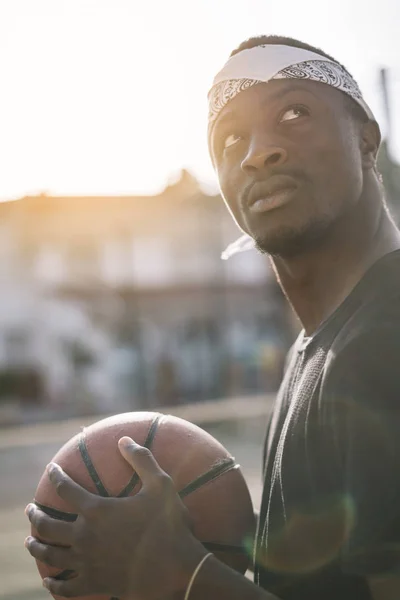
point(361, 398)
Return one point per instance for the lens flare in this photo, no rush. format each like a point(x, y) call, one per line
point(309, 540)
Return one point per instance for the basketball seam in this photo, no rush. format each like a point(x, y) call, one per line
point(226, 465)
point(55, 513)
point(91, 469)
point(206, 483)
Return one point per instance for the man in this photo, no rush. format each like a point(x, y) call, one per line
point(294, 146)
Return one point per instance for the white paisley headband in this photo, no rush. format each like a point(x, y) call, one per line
point(268, 62)
point(271, 61)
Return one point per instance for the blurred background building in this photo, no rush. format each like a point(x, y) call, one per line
point(123, 303)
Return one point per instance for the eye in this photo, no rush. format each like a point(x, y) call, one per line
point(230, 140)
point(294, 112)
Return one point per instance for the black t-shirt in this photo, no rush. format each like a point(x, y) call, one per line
point(330, 513)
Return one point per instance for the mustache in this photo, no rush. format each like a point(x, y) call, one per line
point(296, 174)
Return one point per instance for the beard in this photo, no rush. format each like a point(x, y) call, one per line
point(289, 242)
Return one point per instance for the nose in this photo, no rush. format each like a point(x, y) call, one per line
point(261, 155)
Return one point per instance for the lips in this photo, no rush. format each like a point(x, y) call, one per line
point(269, 188)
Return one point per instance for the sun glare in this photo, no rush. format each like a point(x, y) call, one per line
point(110, 96)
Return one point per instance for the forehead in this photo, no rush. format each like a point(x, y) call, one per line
point(274, 94)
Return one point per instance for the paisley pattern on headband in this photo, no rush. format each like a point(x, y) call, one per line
point(225, 91)
point(314, 70)
point(324, 72)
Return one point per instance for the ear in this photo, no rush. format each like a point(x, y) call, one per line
point(370, 141)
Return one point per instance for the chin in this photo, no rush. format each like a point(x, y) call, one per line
point(289, 242)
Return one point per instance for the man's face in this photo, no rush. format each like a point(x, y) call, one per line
point(287, 154)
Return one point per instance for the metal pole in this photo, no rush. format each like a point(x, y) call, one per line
point(384, 82)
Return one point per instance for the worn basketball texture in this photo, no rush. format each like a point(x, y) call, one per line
point(205, 475)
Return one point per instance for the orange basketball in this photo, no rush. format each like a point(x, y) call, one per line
point(205, 475)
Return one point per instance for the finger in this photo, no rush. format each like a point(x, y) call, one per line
point(141, 460)
point(68, 589)
point(69, 490)
point(54, 556)
point(52, 530)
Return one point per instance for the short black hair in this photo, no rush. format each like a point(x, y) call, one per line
point(354, 108)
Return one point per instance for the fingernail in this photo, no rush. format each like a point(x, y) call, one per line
point(127, 441)
point(29, 509)
point(53, 470)
point(46, 583)
point(27, 541)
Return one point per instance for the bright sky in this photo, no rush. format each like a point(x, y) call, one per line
point(109, 96)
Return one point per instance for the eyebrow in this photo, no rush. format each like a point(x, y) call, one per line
point(229, 114)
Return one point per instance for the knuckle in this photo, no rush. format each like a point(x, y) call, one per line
point(143, 452)
point(46, 556)
point(92, 507)
point(163, 481)
point(64, 591)
point(60, 485)
point(187, 518)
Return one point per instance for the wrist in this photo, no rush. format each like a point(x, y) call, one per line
point(191, 558)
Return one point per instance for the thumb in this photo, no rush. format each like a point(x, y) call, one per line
point(140, 459)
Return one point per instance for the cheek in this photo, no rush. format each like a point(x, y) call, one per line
point(352, 159)
point(338, 166)
point(231, 185)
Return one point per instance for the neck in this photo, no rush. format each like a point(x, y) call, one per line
point(316, 283)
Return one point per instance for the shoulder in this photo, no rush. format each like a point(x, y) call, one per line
point(362, 370)
point(364, 360)
point(359, 399)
